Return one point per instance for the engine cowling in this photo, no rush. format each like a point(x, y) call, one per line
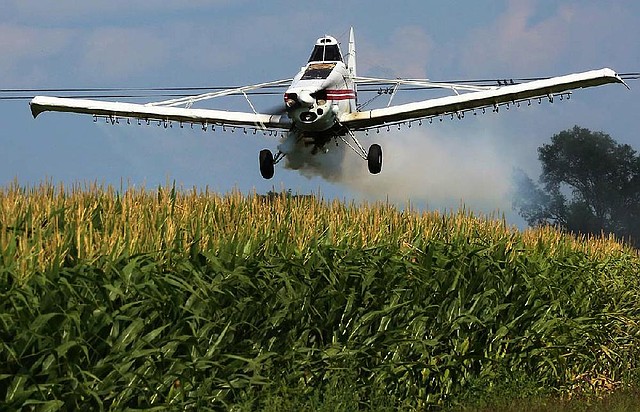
point(310, 110)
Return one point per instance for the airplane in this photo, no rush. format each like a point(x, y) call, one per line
point(321, 104)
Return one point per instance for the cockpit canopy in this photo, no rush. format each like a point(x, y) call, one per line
point(326, 50)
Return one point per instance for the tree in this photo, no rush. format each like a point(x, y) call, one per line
point(589, 184)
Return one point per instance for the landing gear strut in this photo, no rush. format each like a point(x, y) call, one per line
point(373, 157)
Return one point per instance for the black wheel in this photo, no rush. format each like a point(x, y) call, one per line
point(374, 159)
point(266, 163)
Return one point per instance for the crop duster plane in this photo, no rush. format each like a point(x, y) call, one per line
point(321, 104)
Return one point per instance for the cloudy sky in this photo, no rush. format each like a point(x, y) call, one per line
point(153, 43)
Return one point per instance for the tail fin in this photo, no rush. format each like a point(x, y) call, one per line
point(351, 66)
point(351, 57)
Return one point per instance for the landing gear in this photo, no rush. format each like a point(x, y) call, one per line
point(374, 159)
point(373, 156)
point(266, 163)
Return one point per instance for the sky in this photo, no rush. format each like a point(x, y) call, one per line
point(212, 43)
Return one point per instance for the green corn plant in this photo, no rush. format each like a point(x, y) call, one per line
point(191, 299)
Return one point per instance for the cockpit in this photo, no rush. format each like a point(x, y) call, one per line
point(326, 50)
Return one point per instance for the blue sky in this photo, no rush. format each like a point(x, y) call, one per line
point(155, 43)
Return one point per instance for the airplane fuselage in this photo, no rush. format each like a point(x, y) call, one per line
point(321, 92)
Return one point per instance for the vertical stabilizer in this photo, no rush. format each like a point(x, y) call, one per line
point(351, 66)
point(351, 57)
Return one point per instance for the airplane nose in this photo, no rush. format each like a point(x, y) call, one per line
point(306, 98)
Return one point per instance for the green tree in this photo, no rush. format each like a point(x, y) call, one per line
point(589, 184)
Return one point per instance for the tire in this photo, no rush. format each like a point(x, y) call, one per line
point(374, 159)
point(266, 164)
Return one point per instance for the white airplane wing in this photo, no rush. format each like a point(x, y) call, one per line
point(487, 98)
point(168, 111)
point(116, 110)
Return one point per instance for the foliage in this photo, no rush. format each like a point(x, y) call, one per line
point(190, 300)
point(591, 184)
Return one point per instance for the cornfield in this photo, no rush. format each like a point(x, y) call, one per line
point(114, 299)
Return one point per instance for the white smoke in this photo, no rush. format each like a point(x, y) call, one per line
point(429, 166)
point(442, 171)
point(327, 162)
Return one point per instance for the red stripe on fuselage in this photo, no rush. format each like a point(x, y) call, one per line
point(341, 94)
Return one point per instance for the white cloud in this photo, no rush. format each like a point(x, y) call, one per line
point(23, 48)
point(63, 10)
point(515, 44)
point(405, 55)
point(572, 36)
point(18, 42)
point(117, 53)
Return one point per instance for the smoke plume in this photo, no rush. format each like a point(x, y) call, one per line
point(327, 164)
point(426, 166)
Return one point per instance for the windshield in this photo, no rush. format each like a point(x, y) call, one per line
point(328, 52)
